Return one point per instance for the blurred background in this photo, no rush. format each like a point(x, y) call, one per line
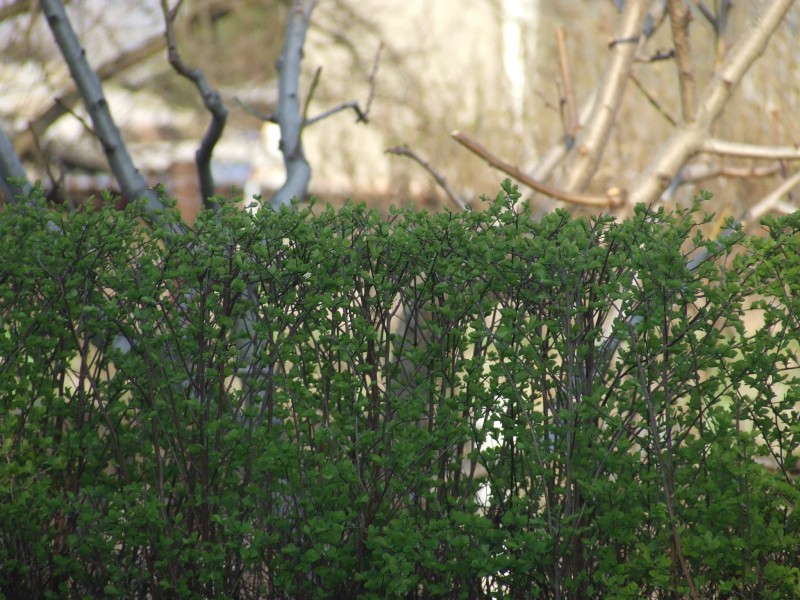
point(489, 68)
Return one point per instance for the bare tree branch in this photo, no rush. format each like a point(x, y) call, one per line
point(23, 140)
point(131, 182)
point(704, 10)
point(211, 99)
point(290, 119)
point(438, 177)
point(653, 101)
point(739, 150)
point(688, 139)
point(699, 172)
point(772, 199)
point(680, 17)
point(571, 120)
point(558, 152)
point(593, 138)
point(362, 115)
point(15, 8)
point(612, 199)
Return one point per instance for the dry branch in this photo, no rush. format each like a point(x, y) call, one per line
point(24, 142)
point(613, 198)
point(698, 172)
point(739, 150)
point(362, 114)
point(680, 17)
point(438, 177)
point(571, 112)
point(771, 200)
point(594, 135)
point(688, 139)
point(15, 9)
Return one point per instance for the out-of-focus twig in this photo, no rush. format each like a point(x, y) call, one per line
point(211, 99)
point(571, 113)
point(771, 200)
point(131, 182)
point(653, 101)
point(594, 135)
point(699, 172)
point(689, 139)
point(362, 114)
point(613, 198)
point(680, 17)
point(438, 177)
point(740, 150)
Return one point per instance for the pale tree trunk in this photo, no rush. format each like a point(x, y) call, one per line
point(132, 183)
point(11, 169)
point(290, 116)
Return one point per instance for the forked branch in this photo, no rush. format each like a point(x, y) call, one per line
point(211, 99)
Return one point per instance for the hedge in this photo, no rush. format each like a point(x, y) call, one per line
point(344, 404)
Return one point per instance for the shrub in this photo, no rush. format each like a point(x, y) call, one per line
point(290, 405)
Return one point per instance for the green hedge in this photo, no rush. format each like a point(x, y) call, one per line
point(290, 405)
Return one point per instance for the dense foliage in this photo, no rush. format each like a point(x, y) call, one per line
point(289, 405)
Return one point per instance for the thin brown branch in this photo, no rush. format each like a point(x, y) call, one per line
point(571, 121)
point(438, 177)
point(613, 198)
point(310, 95)
point(362, 114)
point(653, 101)
point(704, 10)
point(556, 154)
point(680, 17)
